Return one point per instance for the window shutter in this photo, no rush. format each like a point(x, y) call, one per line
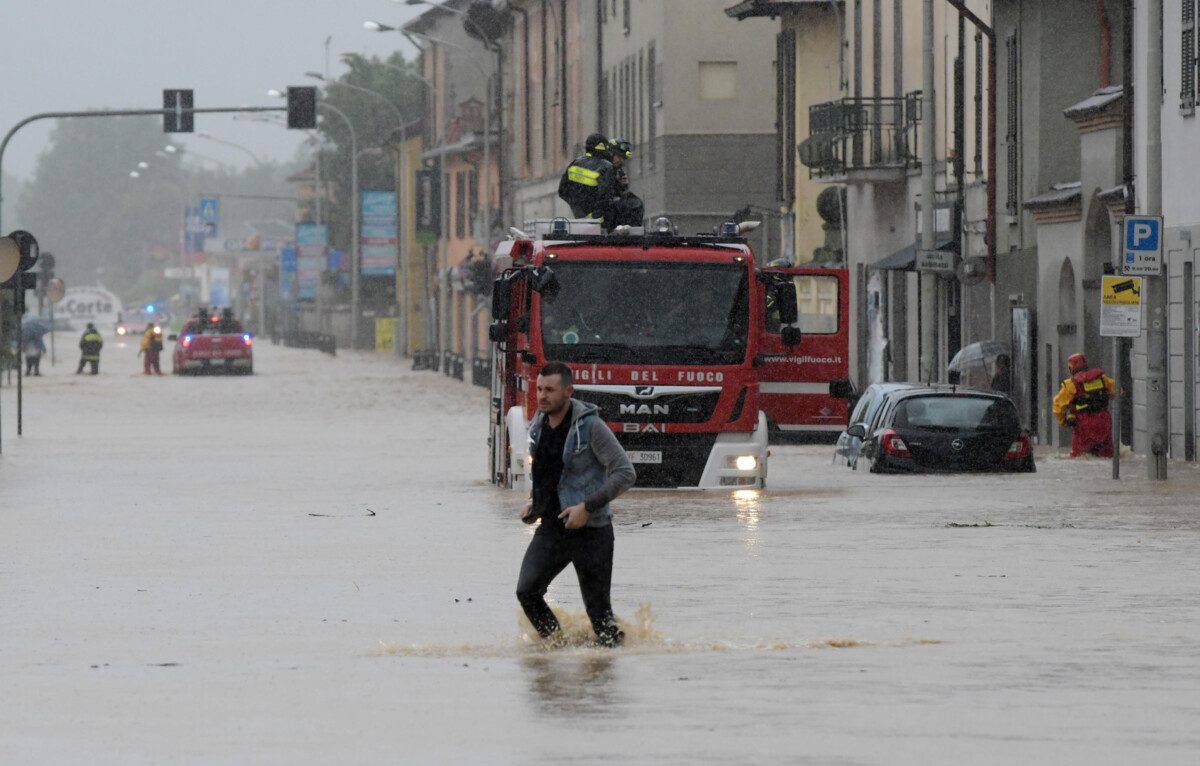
point(1187, 58)
point(1010, 136)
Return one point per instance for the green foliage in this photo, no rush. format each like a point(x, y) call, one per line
point(374, 119)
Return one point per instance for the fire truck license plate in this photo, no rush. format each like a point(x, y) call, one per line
point(645, 456)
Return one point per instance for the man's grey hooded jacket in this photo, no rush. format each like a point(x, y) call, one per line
point(595, 467)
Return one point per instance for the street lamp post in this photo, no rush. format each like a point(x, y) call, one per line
point(211, 137)
point(399, 172)
point(404, 348)
point(355, 243)
point(485, 218)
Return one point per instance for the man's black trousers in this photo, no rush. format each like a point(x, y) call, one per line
point(590, 550)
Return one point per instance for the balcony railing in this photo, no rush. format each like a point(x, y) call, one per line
point(862, 134)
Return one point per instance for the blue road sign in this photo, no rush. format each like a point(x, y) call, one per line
point(208, 209)
point(1142, 254)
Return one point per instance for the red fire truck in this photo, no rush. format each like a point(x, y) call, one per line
point(794, 383)
point(665, 333)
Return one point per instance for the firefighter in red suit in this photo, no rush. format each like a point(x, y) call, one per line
point(1082, 404)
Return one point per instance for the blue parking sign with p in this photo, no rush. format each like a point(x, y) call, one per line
point(1143, 245)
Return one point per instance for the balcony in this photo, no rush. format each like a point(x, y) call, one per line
point(866, 140)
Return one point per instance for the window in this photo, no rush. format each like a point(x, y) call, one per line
point(1010, 136)
point(652, 96)
point(460, 204)
point(545, 67)
point(473, 203)
point(817, 301)
point(563, 91)
point(526, 96)
point(718, 80)
point(785, 116)
point(1187, 58)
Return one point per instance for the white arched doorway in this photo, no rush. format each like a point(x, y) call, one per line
point(1067, 340)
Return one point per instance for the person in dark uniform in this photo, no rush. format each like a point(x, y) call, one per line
point(627, 208)
point(588, 184)
point(89, 348)
point(578, 469)
point(227, 324)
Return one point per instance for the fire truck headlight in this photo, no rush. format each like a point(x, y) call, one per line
point(745, 462)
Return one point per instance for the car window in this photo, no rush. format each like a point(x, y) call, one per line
point(863, 407)
point(960, 413)
point(885, 408)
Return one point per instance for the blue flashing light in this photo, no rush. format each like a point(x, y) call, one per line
point(150, 308)
point(729, 229)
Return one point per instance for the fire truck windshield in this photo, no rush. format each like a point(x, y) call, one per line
point(648, 313)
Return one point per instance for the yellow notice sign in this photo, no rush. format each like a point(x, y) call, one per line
point(1121, 291)
point(1121, 307)
point(385, 334)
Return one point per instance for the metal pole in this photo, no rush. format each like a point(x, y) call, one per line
point(355, 253)
point(928, 169)
point(1157, 433)
point(1116, 420)
point(402, 239)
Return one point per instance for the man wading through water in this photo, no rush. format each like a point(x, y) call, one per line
point(578, 468)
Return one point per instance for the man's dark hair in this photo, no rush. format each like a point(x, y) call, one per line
point(558, 368)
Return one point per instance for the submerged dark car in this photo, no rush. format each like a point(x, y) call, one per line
point(945, 429)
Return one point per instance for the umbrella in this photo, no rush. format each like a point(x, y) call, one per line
point(33, 328)
point(981, 355)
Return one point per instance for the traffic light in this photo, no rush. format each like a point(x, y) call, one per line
point(177, 111)
point(19, 253)
point(47, 273)
point(302, 107)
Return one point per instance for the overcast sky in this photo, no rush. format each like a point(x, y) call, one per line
point(74, 55)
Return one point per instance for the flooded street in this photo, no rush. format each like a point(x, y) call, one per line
point(309, 566)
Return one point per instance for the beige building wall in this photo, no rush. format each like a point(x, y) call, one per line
point(912, 53)
point(819, 77)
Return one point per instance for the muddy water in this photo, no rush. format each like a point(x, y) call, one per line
point(306, 567)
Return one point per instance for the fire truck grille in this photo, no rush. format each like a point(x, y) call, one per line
point(671, 408)
point(683, 458)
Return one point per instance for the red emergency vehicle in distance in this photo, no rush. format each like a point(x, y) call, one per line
point(663, 333)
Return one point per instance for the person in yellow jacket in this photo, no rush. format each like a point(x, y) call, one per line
point(89, 349)
point(1082, 404)
point(151, 347)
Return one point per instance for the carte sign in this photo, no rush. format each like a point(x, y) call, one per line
point(1121, 307)
point(89, 304)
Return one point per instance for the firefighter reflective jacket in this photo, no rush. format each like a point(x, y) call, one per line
point(1092, 392)
point(1087, 391)
point(588, 185)
point(90, 345)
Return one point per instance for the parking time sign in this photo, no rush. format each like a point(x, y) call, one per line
point(1142, 254)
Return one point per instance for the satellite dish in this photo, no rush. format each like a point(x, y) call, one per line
point(972, 271)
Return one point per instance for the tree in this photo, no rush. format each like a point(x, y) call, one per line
point(374, 121)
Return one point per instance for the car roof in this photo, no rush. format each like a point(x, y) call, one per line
point(948, 389)
point(891, 385)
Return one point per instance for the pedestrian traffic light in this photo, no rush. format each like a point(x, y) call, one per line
point(302, 107)
point(177, 111)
